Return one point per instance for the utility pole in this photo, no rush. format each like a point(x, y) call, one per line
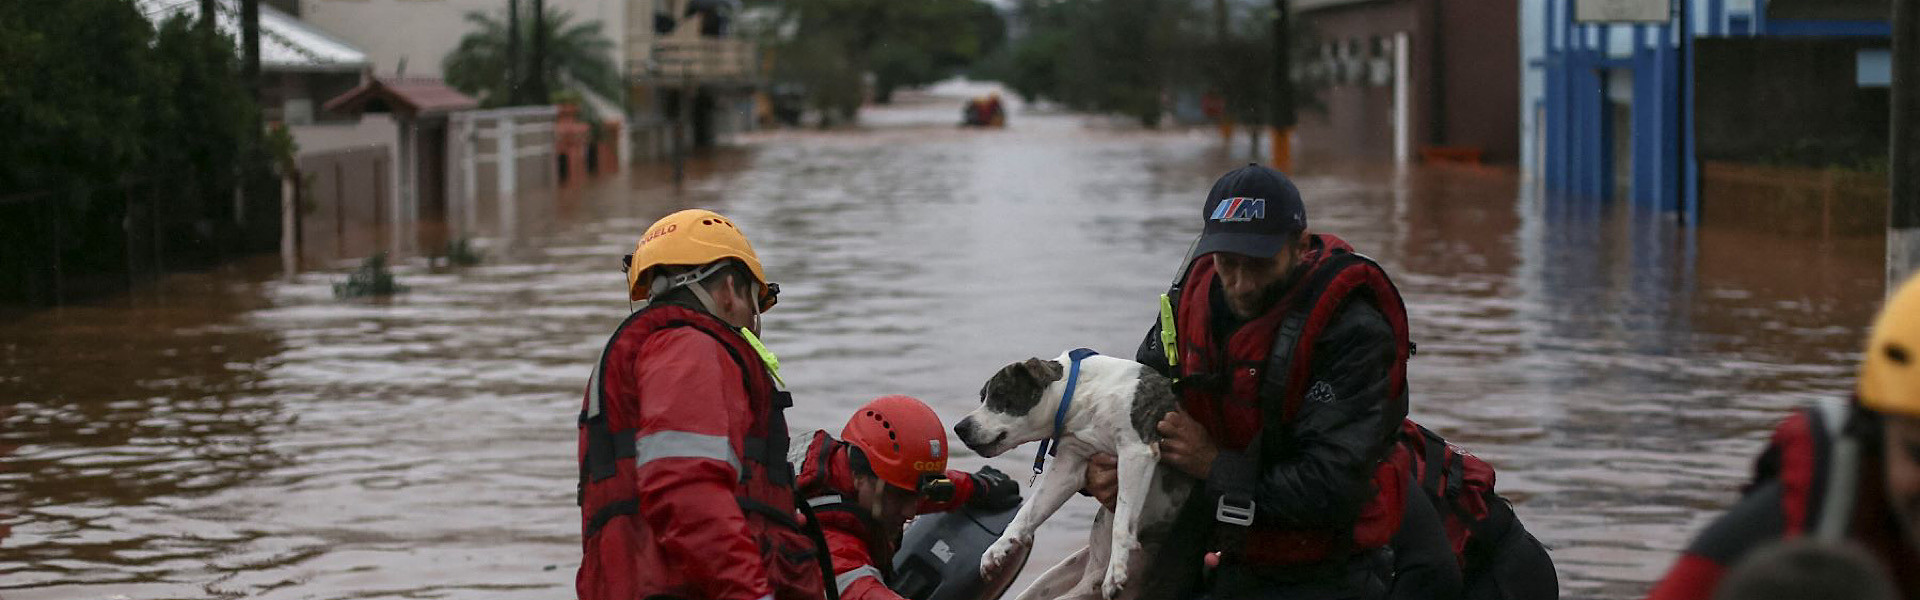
point(514, 97)
point(1221, 85)
point(250, 77)
point(536, 86)
point(683, 126)
point(208, 10)
point(1283, 118)
point(1903, 160)
point(250, 46)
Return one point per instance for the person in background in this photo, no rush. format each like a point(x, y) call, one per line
point(1838, 470)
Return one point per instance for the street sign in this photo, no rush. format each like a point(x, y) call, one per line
point(1623, 11)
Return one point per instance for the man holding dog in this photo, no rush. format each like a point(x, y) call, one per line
point(685, 490)
point(1289, 353)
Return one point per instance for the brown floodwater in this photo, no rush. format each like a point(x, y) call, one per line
point(241, 433)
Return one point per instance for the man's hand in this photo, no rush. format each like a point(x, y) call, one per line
point(993, 490)
point(1185, 445)
point(1103, 478)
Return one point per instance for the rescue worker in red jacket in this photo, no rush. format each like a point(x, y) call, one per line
point(1289, 353)
point(685, 490)
point(889, 464)
point(1840, 470)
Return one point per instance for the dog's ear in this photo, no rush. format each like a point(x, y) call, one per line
point(1042, 371)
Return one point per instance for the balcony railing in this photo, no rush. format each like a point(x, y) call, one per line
point(704, 59)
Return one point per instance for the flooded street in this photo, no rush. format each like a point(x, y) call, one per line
point(240, 434)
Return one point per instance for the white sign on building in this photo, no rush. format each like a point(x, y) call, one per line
point(1622, 11)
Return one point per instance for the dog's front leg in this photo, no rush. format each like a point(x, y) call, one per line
point(1062, 479)
point(1137, 464)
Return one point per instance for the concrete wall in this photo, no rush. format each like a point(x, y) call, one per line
point(1481, 57)
point(422, 32)
point(1464, 75)
point(347, 204)
point(1355, 115)
point(1787, 100)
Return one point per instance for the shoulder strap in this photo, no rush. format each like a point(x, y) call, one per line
point(1277, 376)
point(1843, 472)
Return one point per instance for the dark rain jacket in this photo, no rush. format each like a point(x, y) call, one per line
point(1325, 483)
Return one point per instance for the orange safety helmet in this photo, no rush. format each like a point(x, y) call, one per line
point(903, 440)
point(691, 238)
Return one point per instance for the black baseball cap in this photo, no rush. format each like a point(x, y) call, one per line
point(1253, 210)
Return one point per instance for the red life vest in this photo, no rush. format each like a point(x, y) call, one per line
point(826, 484)
point(1459, 483)
point(1222, 383)
point(608, 495)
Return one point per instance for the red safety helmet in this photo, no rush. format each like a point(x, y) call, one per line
point(903, 440)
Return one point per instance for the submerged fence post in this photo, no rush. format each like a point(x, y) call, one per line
point(290, 223)
point(1903, 160)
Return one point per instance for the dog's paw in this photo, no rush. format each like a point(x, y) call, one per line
point(998, 555)
point(1115, 582)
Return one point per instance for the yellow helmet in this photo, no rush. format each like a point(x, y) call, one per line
point(1890, 374)
point(691, 238)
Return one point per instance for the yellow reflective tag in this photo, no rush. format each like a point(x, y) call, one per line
point(1169, 337)
point(766, 356)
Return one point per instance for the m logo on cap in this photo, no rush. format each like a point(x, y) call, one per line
point(1235, 210)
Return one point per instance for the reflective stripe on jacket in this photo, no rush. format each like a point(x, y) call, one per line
point(861, 561)
point(684, 486)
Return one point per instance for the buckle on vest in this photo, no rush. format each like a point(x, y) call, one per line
point(1234, 509)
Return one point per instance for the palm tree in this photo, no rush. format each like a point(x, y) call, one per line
point(577, 56)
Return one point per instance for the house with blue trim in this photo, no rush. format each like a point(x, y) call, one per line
point(1626, 99)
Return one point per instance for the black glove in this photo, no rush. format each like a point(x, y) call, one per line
point(993, 490)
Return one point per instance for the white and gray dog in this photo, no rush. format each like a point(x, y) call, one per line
point(1116, 405)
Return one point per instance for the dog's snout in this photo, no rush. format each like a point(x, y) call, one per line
point(964, 428)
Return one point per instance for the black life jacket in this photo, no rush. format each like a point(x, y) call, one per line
point(1498, 558)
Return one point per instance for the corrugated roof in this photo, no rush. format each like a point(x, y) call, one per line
point(286, 43)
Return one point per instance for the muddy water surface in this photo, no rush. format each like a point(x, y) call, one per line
point(241, 434)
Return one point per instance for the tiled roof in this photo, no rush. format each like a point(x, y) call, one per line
point(408, 98)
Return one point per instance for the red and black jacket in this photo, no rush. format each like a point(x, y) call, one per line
point(685, 490)
point(1789, 496)
point(1305, 401)
point(862, 559)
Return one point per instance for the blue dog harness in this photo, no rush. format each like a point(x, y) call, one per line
point(1051, 446)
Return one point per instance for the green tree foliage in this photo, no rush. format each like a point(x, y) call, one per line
point(202, 110)
point(830, 47)
point(1121, 56)
point(928, 41)
point(1098, 55)
point(102, 110)
point(75, 78)
point(578, 55)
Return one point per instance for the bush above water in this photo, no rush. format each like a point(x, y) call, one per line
point(371, 279)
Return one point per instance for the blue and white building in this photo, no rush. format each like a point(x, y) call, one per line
point(1622, 99)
